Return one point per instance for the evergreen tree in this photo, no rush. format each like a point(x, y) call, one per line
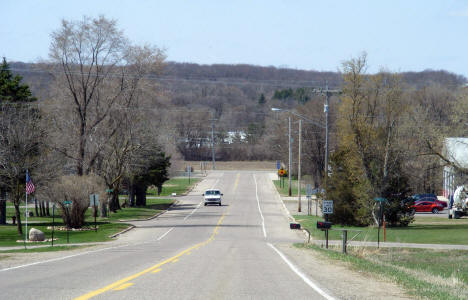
point(11, 89)
point(261, 99)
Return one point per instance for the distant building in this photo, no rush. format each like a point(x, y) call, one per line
point(456, 151)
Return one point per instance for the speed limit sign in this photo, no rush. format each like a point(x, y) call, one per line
point(327, 206)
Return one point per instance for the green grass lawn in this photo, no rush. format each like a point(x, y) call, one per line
point(178, 185)
point(9, 234)
point(424, 273)
point(424, 230)
point(283, 190)
point(106, 226)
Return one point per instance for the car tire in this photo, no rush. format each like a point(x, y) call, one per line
point(457, 215)
point(219, 203)
point(435, 211)
point(449, 215)
point(413, 212)
point(205, 204)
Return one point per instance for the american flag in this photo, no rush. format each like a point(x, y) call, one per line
point(29, 184)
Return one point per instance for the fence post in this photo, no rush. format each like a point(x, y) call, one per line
point(345, 240)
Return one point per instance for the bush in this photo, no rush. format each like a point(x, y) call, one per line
point(74, 189)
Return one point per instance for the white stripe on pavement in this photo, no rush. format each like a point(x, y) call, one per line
point(300, 274)
point(259, 209)
point(162, 236)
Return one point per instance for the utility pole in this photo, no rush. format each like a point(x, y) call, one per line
point(299, 168)
point(213, 144)
point(290, 158)
point(325, 109)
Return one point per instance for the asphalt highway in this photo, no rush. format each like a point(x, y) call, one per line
point(191, 252)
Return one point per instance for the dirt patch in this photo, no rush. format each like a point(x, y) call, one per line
point(342, 282)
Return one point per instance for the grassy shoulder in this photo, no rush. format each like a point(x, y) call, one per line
point(425, 230)
point(178, 185)
point(106, 226)
point(423, 273)
point(282, 186)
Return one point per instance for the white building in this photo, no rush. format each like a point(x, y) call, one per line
point(456, 150)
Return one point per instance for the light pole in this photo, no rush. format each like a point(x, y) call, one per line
point(301, 117)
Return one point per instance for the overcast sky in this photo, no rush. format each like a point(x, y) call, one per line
point(303, 34)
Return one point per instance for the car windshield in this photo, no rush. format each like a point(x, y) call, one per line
point(212, 193)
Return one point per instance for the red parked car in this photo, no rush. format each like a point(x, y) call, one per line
point(427, 206)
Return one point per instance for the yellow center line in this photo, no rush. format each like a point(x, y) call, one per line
point(154, 268)
point(156, 271)
point(123, 286)
point(237, 181)
point(175, 260)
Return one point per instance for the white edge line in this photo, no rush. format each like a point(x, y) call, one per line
point(63, 258)
point(300, 274)
point(162, 236)
point(259, 209)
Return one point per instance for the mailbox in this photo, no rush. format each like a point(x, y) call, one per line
point(323, 225)
point(294, 226)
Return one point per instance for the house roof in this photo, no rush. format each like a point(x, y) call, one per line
point(456, 150)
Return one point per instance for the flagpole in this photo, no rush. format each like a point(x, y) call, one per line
point(26, 233)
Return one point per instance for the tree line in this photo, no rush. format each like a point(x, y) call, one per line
point(91, 134)
point(114, 110)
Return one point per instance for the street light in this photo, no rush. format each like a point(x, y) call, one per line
point(324, 126)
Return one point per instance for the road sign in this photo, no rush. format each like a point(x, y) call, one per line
point(282, 172)
point(380, 199)
point(327, 206)
point(94, 200)
point(278, 165)
point(67, 202)
point(309, 190)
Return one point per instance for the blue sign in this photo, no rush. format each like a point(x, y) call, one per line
point(278, 165)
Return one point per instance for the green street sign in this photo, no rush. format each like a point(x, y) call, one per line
point(67, 202)
point(109, 190)
point(380, 199)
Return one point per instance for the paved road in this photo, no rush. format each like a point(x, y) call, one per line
point(191, 252)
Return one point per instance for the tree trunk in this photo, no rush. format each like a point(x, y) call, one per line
point(141, 195)
point(48, 209)
point(42, 208)
point(18, 219)
point(114, 204)
point(35, 207)
point(159, 189)
point(102, 209)
point(131, 194)
point(2, 207)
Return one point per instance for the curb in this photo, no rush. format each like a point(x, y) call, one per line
point(152, 217)
point(123, 231)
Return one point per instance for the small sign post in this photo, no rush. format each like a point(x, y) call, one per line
point(309, 199)
point(67, 204)
point(53, 222)
point(381, 214)
point(94, 202)
point(327, 208)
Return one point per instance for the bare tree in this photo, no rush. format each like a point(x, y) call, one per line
point(96, 72)
point(21, 137)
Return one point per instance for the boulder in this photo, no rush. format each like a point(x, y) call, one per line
point(36, 235)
